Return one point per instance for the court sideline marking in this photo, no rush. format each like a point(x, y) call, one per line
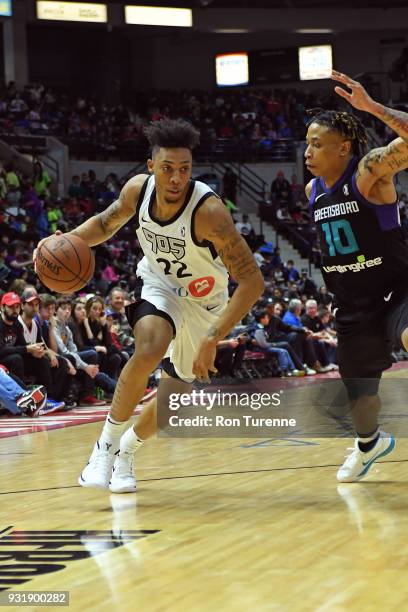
point(278, 469)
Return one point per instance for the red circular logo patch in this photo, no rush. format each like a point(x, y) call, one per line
point(200, 287)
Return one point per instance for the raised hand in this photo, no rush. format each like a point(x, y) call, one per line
point(357, 97)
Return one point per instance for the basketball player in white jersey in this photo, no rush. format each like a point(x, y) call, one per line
point(189, 242)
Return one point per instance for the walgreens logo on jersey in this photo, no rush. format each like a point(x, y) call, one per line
point(361, 264)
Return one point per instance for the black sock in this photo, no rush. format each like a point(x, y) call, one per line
point(367, 446)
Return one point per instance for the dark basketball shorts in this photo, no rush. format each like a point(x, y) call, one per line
point(142, 308)
point(366, 338)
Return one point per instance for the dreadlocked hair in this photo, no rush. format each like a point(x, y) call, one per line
point(172, 134)
point(347, 124)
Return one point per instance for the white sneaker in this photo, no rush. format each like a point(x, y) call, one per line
point(98, 471)
point(325, 369)
point(358, 463)
point(309, 371)
point(123, 480)
point(333, 367)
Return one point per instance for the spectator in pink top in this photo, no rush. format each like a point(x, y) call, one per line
point(109, 274)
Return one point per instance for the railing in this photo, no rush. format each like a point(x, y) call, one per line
point(52, 166)
point(138, 169)
point(33, 145)
point(36, 147)
point(249, 182)
point(300, 242)
point(243, 151)
point(302, 237)
point(229, 150)
point(8, 153)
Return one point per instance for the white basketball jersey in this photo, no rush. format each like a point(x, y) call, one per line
point(172, 254)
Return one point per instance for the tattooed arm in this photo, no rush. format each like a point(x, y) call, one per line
point(383, 163)
point(103, 226)
point(387, 161)
point(214, 223)
point(100, 228)
point(395, 119)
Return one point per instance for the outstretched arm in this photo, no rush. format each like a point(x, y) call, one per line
point(103, 226)
point(383, 162)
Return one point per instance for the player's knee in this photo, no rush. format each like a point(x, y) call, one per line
point(149, 354)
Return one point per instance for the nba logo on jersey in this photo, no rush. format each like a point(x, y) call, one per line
point(183, 231)
point(346, 190)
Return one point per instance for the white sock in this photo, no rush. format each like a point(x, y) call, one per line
point(130, 442)
point(111, 433)
point(369, 438)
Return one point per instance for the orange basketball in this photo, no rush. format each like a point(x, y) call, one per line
point(65, 263)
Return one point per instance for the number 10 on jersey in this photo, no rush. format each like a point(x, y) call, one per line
point(340, 238)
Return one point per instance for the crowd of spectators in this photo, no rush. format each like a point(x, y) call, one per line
point(85, 340)
point(68, 345)
point(72, 349)
point(258, 120)
point(254, 118)
point(75, 347)
point(291, 326)
point(292, 322)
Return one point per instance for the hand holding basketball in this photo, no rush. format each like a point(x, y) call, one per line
point(64, 262)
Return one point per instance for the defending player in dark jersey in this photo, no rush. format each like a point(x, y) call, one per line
point(354, 204)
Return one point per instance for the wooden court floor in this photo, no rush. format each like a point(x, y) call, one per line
point(219, 524)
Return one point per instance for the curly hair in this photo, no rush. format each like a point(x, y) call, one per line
point(172, 134)
point(346, 124)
